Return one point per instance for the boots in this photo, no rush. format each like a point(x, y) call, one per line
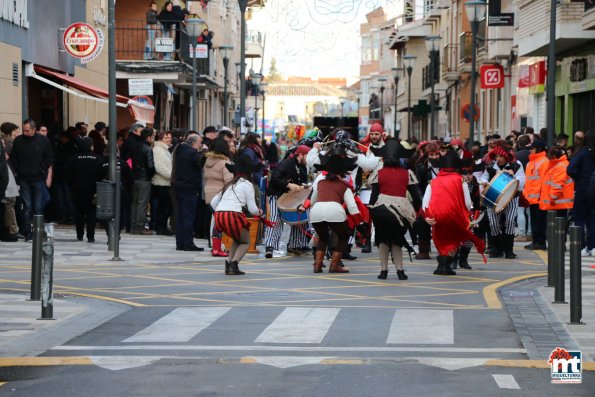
point(401, 275)
point(443, 268)
point(318, 262)
point(367, 248)
point(424, 250)
point(440, 269)
point(234, 270)
point(463, 255)
point(496, 251)
point(455, 259)
point(507, 245)
point(383, 274)
point(227, 268)
point(334, 267)
point(217, 251)
point(447, 270)
point(347, 254)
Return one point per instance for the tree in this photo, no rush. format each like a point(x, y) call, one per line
point(274, 74)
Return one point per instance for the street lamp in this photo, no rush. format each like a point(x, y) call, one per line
point(224, 49)
point(194, 27)
point(409, 62)
point(256, 79)
point(433, 46)
point(476, 12)
point(243, 5)
point(396, 75)
point(382, 80)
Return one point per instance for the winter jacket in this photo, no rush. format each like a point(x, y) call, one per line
point(187, 168)
point(216, 174)
point(31, 157)
point(84, 170)
point(536, 169)
point(163, 164)
point(143, 165)
point(581, 169)
point(557, 189)
point(286, 172)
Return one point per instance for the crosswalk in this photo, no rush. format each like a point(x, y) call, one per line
point(300, 325)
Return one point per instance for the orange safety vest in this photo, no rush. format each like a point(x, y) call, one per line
point(536, 169)
point(557, 189)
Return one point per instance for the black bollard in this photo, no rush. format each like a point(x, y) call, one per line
point(47, 273)
point(36, 257)
point(117, 210)
point(576, 304)
point(559, 241)
point(551, 215)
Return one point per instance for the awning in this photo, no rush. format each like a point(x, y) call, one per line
point(140, 111)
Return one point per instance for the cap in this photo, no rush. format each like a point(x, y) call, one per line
point(302, 149)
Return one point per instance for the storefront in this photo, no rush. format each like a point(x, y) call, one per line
point(575, 90)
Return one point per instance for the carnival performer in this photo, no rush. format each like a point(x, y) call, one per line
point(375, 140)
point(229, 218)
point(446, 205)
point(392, 213)
point(426, 170)
point(502, 225)
point(290, 175)
point(327, 212)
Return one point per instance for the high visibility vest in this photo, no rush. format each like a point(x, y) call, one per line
point(536, 169)
point(557, 189)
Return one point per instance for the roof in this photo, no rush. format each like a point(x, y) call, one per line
point(304, 90)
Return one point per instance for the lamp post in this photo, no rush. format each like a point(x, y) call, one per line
point(409, 61)
point(382, 80)
point(194, 27)
point(396, 75)
point(551, 77)
point(358, 94)
point(256, 79)
point(476, 12)
point(433, 46)
point(243, 5)
point(224, 49)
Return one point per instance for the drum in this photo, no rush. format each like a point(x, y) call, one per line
point(498, 193)
point(364, 195)
point(288, 203)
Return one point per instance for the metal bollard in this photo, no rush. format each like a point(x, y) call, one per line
point(559, 241)
point(576, 304)
point(551, 215)
point(36, 257)
point(47, 273)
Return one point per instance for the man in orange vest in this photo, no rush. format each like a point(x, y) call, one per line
point(557, 188)
point(536, 169)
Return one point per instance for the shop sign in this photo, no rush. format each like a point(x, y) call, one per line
point(523, 76)
point(14, 11)
point(83, 41)
point(140, 87)
point(537, 75)
point(492, 76)
point(164, 44)
point(496, 17)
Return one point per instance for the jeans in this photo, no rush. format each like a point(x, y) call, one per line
point(150, 41)
point(185, 214)
point(34, 195)
point(584, 217)
point(141, 193)
point(524, 221)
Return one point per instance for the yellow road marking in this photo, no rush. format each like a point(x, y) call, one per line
point(542, 255)
point(105, 298)
point(587, 365)
point(43, 361)
point(490, 293)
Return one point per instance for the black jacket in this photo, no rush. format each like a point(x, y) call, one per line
point(143, 165)
point(84, 170)
point(286, 172)
point(3, 171)
point(129, 145)
point(187, 171)
point(31, 157)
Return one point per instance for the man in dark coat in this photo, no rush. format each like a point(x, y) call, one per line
point(187, 183)
point(143, 168)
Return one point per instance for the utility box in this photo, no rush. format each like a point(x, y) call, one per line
point(106, 200)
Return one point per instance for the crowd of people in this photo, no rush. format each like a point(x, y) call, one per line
point(206, 185)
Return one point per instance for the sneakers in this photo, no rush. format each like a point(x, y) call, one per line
point(588, 252)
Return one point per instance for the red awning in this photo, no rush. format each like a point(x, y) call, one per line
point(80, 85)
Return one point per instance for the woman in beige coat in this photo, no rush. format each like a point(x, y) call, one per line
point(216, 175)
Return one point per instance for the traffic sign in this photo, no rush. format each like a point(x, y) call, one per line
point(492, 76)
point(466, 112)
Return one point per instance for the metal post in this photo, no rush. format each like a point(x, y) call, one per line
point(193, 103)
point(225, 65)
point(117, 198)
point(36, 257)
point(47, 274)
point(264, 120)
point(432, 81)
point(576, 304)
point(551, 77)
point(243, 4)
point(395, 117)
point(113, 115)
point(559, 237)
point(551, 215)
point(409, 120)
point(474, 28)
point(382, 106)
point(256, 110)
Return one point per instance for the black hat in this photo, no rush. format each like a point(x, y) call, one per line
point(336, 161)
point(449, 161)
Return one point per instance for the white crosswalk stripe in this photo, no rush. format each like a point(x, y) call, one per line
point(299, 325)
point(180, 325)
point(506, 381)
point(422, 327)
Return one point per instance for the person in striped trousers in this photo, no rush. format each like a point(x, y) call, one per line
point(289, 176)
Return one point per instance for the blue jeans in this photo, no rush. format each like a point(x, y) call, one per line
point(150, 41)
point(35, 198)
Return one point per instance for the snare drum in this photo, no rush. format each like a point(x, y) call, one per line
point(499, 192)
point(364, 196)
point(288, 203)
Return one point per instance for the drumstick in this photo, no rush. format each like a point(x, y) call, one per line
point(360, 144)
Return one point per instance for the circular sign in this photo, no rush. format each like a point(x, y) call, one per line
point(466, 112)
point(80, 40)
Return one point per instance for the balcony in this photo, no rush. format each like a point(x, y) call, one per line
point(588, 19)
point(450, 63)
point(254, 44)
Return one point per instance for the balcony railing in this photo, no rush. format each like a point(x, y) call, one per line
point(465, 47)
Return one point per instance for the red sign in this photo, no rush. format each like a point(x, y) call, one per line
point(492, 76)
point(537, 74)
point(80, 40)
point(523, 76)
point(466, 112)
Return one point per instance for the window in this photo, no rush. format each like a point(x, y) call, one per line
point(366, 50)
point(375, 46)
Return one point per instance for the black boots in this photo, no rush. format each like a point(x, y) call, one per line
point(367, 248)
point(463, 255)
point(227, 268)
point(347, 254)
point(383, 274)
point(443, 268)
point(234, 270)
point(496, 251)
point(401, 275)
point(508, 245)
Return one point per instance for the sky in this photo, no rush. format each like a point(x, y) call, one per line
point(316, 38)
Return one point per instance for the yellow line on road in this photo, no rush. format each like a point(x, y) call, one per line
point(43, 361)
point(105, 298)
point(490, 293)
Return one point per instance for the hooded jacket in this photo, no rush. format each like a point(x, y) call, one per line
point(557, 188)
